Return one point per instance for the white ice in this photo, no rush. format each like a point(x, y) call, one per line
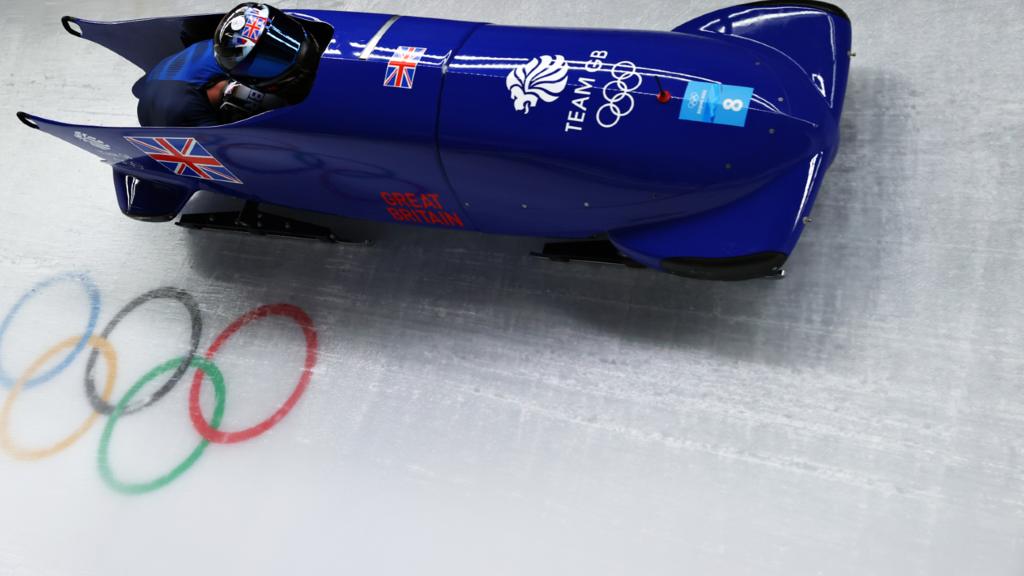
point(474, 411)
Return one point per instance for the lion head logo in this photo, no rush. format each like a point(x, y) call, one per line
point(539, 79)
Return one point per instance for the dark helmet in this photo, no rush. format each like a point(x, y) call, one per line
point(265, 48)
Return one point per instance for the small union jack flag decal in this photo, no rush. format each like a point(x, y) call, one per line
point(402, 67)
point(184, 157)
point(254, 25)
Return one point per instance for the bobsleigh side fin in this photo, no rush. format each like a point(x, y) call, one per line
point(815, 35)
point(145, 42)
point(147, 189)
point(747, 239)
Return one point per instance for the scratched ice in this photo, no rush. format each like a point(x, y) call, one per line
point(472, 411)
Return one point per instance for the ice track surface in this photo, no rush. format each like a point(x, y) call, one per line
point(472, 411)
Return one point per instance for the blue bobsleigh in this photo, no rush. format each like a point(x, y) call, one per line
point(698, 151)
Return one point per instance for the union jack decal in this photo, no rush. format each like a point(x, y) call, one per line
point(254, 25)
point(402, 67)
point(184, 157)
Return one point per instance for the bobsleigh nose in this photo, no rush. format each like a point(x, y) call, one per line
point(816, 36)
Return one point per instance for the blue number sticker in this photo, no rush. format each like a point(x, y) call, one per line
point(716, 104)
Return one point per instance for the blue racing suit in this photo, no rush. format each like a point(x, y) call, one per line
point(173, 93)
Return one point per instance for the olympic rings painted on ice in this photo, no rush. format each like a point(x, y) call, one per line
point(195, 411)
point(94, 312)
point(103, 458)
point(20, 453)
point(101, 402)
point(101, 405)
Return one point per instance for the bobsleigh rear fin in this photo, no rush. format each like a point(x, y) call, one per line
point(815, 35)
point(156, 170)
point(145, 42)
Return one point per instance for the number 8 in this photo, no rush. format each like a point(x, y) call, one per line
point(733, 105)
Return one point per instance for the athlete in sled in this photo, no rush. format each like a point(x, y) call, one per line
point(259, 59)
point(698, 151)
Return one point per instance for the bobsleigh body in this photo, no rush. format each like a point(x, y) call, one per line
point(698, 151)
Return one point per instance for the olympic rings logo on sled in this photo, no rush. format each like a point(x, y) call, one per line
point(621, 80)
point(177, 367)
